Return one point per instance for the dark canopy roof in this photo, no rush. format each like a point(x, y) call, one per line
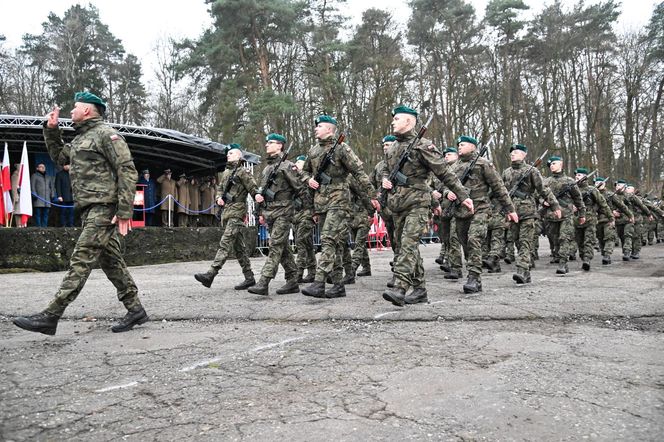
point(151, 147)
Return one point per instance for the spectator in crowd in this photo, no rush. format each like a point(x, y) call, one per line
point(64, 197)
point(207, 201)
point(194, 201)
point(42, 187)
point(149, 196)
point(168, 187)
point(183, 200)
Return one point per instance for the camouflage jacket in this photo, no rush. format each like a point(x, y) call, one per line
point(336, 194)
point(443, 202)
point(481, 180)
point(596, 206)
point(616, 201)
point(102, 170)
point(360, 201)
point(424, 159)
point(235, 203)
point(530, 190)
point(557, 182)
point(287, 187)
point(638, 208)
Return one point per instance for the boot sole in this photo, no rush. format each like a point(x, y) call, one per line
point(586, 267)
point(468, 291)
point(519, 279)
point(44, 330)
point(418, 301)
point(139, 321)
point(262, 293)
point(395, 301)
point(287, 292)
point(205, 283)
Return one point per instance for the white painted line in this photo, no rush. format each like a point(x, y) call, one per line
point(386, 314)
point(253, 350)
point(117, 387)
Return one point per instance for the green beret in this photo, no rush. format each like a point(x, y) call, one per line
point(87, 97)
point(581, 170)
point(553, 158)
point(519, 147)
point(233, 146)
point(599, 178)
point(388, 138)
point(404, 110)
point(325, 119)
point(467, 139)
point(450, 150)
point(621, 181)
point(301, 158)
point(276, 137)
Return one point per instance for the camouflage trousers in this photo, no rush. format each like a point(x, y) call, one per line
point(625, 233)
point(650, 236)
point(637, 238)
point(471, 233)
point(333, 233)
point(561, 236)
point(606, 237)
point(359, 230)
point(280, 251)
point(443, 231)
point(494, 245)
point(303, 231)
point(409, 227)
point(454, 248)
point(509, 245)
point(99, 242)
point(523, 234)
point(232, 239)
point(586, 237)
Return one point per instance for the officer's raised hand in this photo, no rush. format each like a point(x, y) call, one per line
point(52, 117)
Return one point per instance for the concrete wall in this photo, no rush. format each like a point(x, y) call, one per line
point(50, 249)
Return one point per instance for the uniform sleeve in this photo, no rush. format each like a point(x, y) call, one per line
point(353, 165)
point(293, 178)
point(434, 161)
point(57, 149)
point(622, 207)
point(603, 205)
point(575, 193)
point(543, 190)
point(498, 188)
point(642, 207)
point(117, 153)
point(249, 182)
point(362, 197)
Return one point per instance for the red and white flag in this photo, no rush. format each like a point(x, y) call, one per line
point(24, 207)
point(6, 190)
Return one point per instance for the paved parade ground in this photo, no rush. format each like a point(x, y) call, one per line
point(565, 358)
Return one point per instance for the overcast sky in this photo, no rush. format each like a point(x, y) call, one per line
point(141, 23)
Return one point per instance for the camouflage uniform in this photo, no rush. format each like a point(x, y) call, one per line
point(606, 229)
point(410, 204)
point(385, 214)
point(586, 233)
point(525, 199)
point(360, 223)
point(494, 244)
point(561, 231)
point(450, 248)
point(641, 212)
point(232, 219)
point(471, 228)
point(303, 231)
point(103, 179)
point(624, 224)
point(331, 203)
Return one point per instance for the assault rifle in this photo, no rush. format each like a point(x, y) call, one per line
point(526, 174)
point(566, 189)
point(466, 174)
point(396, 177)
point(321, 177)
point(227, 188)
point(265, 191)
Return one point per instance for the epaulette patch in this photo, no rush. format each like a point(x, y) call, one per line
point(115, 137)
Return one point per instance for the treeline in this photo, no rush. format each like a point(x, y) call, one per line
point(563, 80)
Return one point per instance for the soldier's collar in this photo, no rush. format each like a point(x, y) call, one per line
point(87, 124)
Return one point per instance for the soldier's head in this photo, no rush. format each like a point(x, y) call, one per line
point(580, 173)
point(299, 162)
point(274, 144)
point(620, 185)
point(518, 153)
point(326, 127)
point(404, 119)
point(466, 144)
point(600, 182)
point(555, 164)
point(86, 106)
point(388, 141)
point(234, 153)
point(146, 174)
point(451, 154)
point(629, 188)
point(168, 173)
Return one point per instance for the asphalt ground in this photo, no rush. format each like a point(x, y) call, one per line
point(571, 357)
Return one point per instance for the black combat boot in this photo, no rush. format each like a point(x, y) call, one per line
point(562, 269)
point(586, 265)
point(486, 263)
point(635, 255)
point(311, 275)
point(509, 259)
point(417, 296)
point(248, 282)
point(453, 274)
point(262, 288)
point(494, 265)
point(395, 295)
point(43, 322)
point(554, 260)
point(206, 278)
point(300, 276)
point(473, 285)
point(337, 291)
point(315, 289)
point(521, 276)
point(625, 256)
point(134, 316)
point(391, 281)
point(290, 287)
point(366, 271)
point(572, 257)
point(445, 266)
point(348, 279)
point(440, 260)
point(606, 260)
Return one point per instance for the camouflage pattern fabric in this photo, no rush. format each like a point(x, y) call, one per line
point(523, 233)
point(409, 227)
point(244, 184)
point(333, 233)
point(232, 239)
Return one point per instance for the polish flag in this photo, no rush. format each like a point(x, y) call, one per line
point(6, 190)
point(25, 191)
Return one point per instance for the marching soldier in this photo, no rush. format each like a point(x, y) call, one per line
point(385, 214)
point(586, 234)
point(277, 204)
point(606, 226)
point(234, 186)
point(451, 264)
point(410, 203)
point(560, 230)
point(303, 231)
point(641, 214)
point(359, 223)
point(331, 203)
point(529, 189)
point(103, 179)
point(624, 218)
